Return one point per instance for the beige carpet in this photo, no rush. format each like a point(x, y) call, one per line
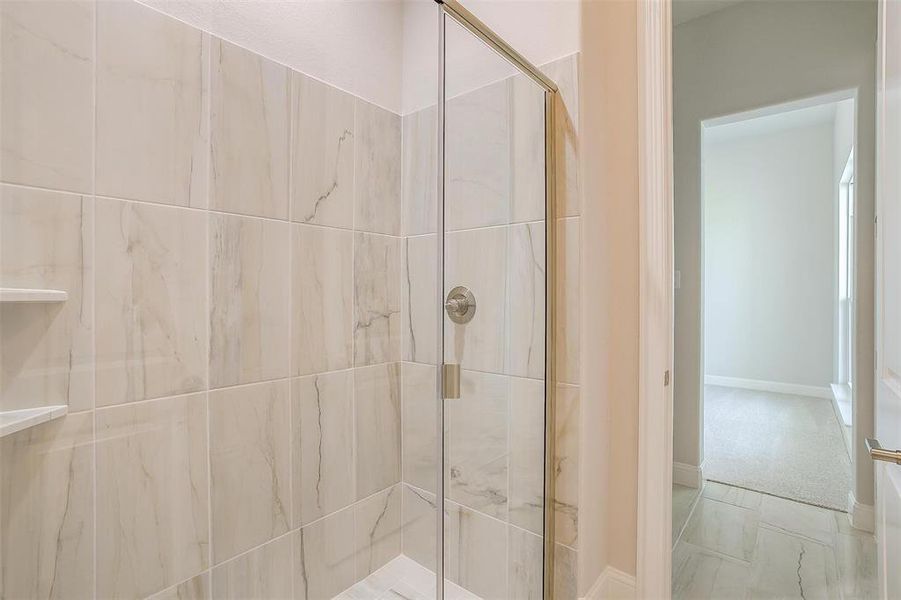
point(780, 444)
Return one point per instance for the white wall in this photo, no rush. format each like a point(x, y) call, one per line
point(748, 56)
point(768, 227)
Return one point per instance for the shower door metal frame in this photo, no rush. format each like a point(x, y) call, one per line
point(469, 21)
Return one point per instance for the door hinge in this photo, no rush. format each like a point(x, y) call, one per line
point(666, 378)
point(450, 381)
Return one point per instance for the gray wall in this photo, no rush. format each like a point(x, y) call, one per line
point(749, 56)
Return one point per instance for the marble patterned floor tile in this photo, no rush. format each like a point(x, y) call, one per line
point(477, 259)
point(322, 153)
point(377, 309)
point(47, 509)
point(723, 528)
point(856, 558)
point(264, 572)
point(46, 101)
point(377, 530)
point(152, 106)
point(420, 308)
point(791, 567)
point(324, 556)
point(526, 292)
point(250, 461)
point(477, 446)
point(151, 301)
point(46, 241)
point(700, 573)
point(152, 521)
point(377, 416)
point(249, 132)
point(733, 495)
point(323, 432)
point(799, 519)
point(322, 300)
point(377, 166)
point(249, 300)
point(419, 425)
point(683, 501)
point(420, 171)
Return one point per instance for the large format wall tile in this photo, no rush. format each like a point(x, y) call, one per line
point(420, 171)
point(377, 315)
point(565, 73)
point(419, 425)
point(477, 260)
point(377, 190)
point(476, 438)
point(264, 572)
point(248, 133)
point(249, 299)
point(526, 291)
point(566, 465)
point(525, 565)
point(377, 530)
point(322, 300)
point(46, 241)
point(322, 153)
point(151, 301)
point(323, 441)
point(196, 588)
point(566, 571)
point(324, 557)
point(528, 198)
point(377, 414)
point(419, 526)
point(47, 510)
point(152, 115)
point(46, 101)
point(250, 462)
point(419, 302)
point(568, 300)
point(527, 427)
point(477, 169)
point(476, 552)
point(152, 505)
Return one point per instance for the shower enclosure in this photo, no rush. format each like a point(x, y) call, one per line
point(264, 337)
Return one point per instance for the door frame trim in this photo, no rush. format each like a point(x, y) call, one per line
point(655, 389)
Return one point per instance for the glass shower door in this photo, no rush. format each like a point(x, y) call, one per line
point(494, 323)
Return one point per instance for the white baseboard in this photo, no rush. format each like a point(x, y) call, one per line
point(688, 475)
point(612, 584)
point(777, 387)
point(862, 516)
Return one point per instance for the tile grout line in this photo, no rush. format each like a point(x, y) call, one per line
point(94, 485)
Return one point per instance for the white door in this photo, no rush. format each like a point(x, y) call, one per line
point(888, 296)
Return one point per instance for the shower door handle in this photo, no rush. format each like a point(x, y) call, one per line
point(450, 381)
point(877, 452)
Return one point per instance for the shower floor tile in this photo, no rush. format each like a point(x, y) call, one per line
point(403, 579)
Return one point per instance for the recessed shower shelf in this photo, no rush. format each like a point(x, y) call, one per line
point(12, 421)
point(32, 295)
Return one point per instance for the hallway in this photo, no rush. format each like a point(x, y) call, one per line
point(738, 543)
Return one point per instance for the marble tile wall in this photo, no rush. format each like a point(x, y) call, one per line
point(229, 233)
point(495, 245)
